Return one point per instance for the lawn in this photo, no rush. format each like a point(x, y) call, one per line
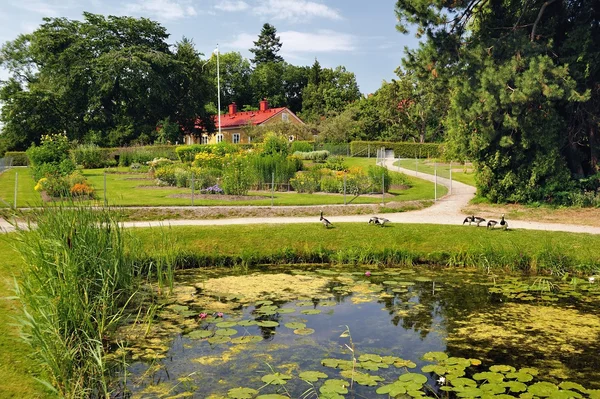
point(16, 365)
point(460, 172)
point(135, 189)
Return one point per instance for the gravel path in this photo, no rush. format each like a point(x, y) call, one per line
point(447, 210)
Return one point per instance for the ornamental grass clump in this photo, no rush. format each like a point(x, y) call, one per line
point(75, 286)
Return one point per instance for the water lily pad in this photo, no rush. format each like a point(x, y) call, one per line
point(226, 324)
point(261, 303)
point(462, 382)
point(327, 303)
point(334, 386)
point(362, 378)
point(423, 279)
point(493, 388)
point(373, 366)
point(295, 325)
point(370, 357)
point(219, 340)
point(516, 386)
point(413, 377)
point(435, 356)
point(502, 368)
point(330, 362)
point(310, 311)
point(242, 393)
point(542, 389)
point(572, 385)
point(267, 323)
point(469, 392)
point(276, 378)
point(200, 334)
point(520, 376)
point(488, 376)
point(272, 396)
point(227, 332)
point(285, 310)
point(390, 282)
point(405, 283)
point(246, 339)
point(304, 331)
point(392, 390)
point(312, 376)
point(305, 303)
point(404, 363)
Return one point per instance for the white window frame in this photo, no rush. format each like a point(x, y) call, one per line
point(249, 139)
point(285, 117)
point(219, 138)
point(236, 138)
point(204, 139)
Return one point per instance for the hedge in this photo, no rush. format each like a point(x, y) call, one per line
point(19, 158)
point(401, 150)
point(187, 153)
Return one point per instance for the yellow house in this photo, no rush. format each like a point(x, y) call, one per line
point(233, 123)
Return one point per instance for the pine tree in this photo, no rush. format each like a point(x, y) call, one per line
point(267, 46)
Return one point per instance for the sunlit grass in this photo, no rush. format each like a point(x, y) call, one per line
point(460, 172)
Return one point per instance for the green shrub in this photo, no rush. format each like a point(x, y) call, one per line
point(19, 158)
point(144, 154)
point(377, 176)
point(336, 163)
point(166, 175)
point(274, 144)
point(238, 176)
point(401, 150)
point(305, 182)
point(208, 160)
point(281, 167)
point(90, 156)
point(206, 177)
point(187, 153)
point(316, 156)
point(53, 149)
point(331, 184)
point(301, 146)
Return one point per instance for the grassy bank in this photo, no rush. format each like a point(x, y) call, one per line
point(17, 367)
point(520, 250)
point(460, 172)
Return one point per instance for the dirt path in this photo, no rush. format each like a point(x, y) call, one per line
point(447, 211)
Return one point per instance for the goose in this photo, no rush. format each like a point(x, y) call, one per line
point(383, 221)
point(491, 224)
point(374, 220)
point(478, 220)
point(468, 219)
point(325, 222)
point(503, 223)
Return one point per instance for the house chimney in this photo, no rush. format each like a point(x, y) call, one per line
point(264, 105)
point(232, 108)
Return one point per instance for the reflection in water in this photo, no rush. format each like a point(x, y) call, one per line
point(403, 313)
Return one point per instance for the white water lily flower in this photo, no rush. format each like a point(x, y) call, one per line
point(441, 380)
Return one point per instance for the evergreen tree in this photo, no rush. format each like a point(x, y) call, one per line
point(267, 46)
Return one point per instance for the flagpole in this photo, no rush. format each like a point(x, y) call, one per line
point(218, 90)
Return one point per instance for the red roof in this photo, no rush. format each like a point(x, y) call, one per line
point(246, 118)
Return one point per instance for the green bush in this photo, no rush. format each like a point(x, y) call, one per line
point(19, 158)
point(336, 163)
point(206, 177)
point(52, 157)
point(144, 154)
point(401, 150)
point(331, 184)
point(238, 176)
point(301, 146)
point(90, 156)
point(282, 167)
point(274, 144)
point(316, 156)
point(305, 182)
point(377, 176)
point(187, 153)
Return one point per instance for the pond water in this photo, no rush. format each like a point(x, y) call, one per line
point(311, 332)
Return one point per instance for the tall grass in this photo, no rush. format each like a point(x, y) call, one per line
point(76, 284)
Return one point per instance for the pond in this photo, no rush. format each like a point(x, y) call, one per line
point(312, 332)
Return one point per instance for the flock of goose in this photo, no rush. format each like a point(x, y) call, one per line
point(490, 224)
point(379, 221)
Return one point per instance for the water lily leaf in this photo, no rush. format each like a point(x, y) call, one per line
point(267, 323)
point(295, 325)
point(423, 279)
point(261, 303)
point(516, 386)
point(435, 368)
point(246, 339)
point(304, 331)
point(361, 378)
point(459, 361)
point(529, 370)
point(390, 359)
point(330, 362)
point(404, 363)
point(392, 390)
point(310, 311)
point(502, 368)
point(373, 366)
point(276, 379)
point(334, 386)
point(435, 356)
point(200, 334)
point(226, 324)
point(226, 332)
point(565, 395)
point(572, 385)
point(488, 376)
point(178, 308)
point(219, 340)
point(462, 382)
point(593, 393)
point(305, 303)
point(242, 393)
point(415, 394)
point(493, 388)
point(272, 396)
point(405, 283)
point(370, 357)
point(327, 303)
point(400, 290)
point(475, 362)
point(390, 282)
point(543, 389)
point(520, 376)
point(247, 323)
point(469, 392)
point(413, 377)
point(312, 376)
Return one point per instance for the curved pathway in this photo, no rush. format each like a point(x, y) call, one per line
point(447, 210)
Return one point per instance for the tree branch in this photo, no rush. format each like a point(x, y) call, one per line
point(537, 20)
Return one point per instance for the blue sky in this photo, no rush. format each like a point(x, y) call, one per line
point(358, 34)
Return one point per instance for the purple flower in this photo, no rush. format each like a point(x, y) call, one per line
point(203, 316)
point(368, 273)
point(218, 314)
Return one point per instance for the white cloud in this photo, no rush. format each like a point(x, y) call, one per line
point(295, 10)
point(232, 6)
point(296, 43)
point(164, 9)
point(48, 8)
point(319, 42)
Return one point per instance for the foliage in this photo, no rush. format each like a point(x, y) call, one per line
point(274, 144)
point(301, 146)
point(76, 282)
point(280, 167)
point(336, 163)
point(237, 175)
point(19, 158)
point(144, 154)
point(187, 153)
point(90, 156)
point(105, 79)
point(168, 132)
point(317, 156)
point(52, 157)
point(379, 175)
point(267, 46)
point(208, 160)
point(304, 182)
point(401, 150)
